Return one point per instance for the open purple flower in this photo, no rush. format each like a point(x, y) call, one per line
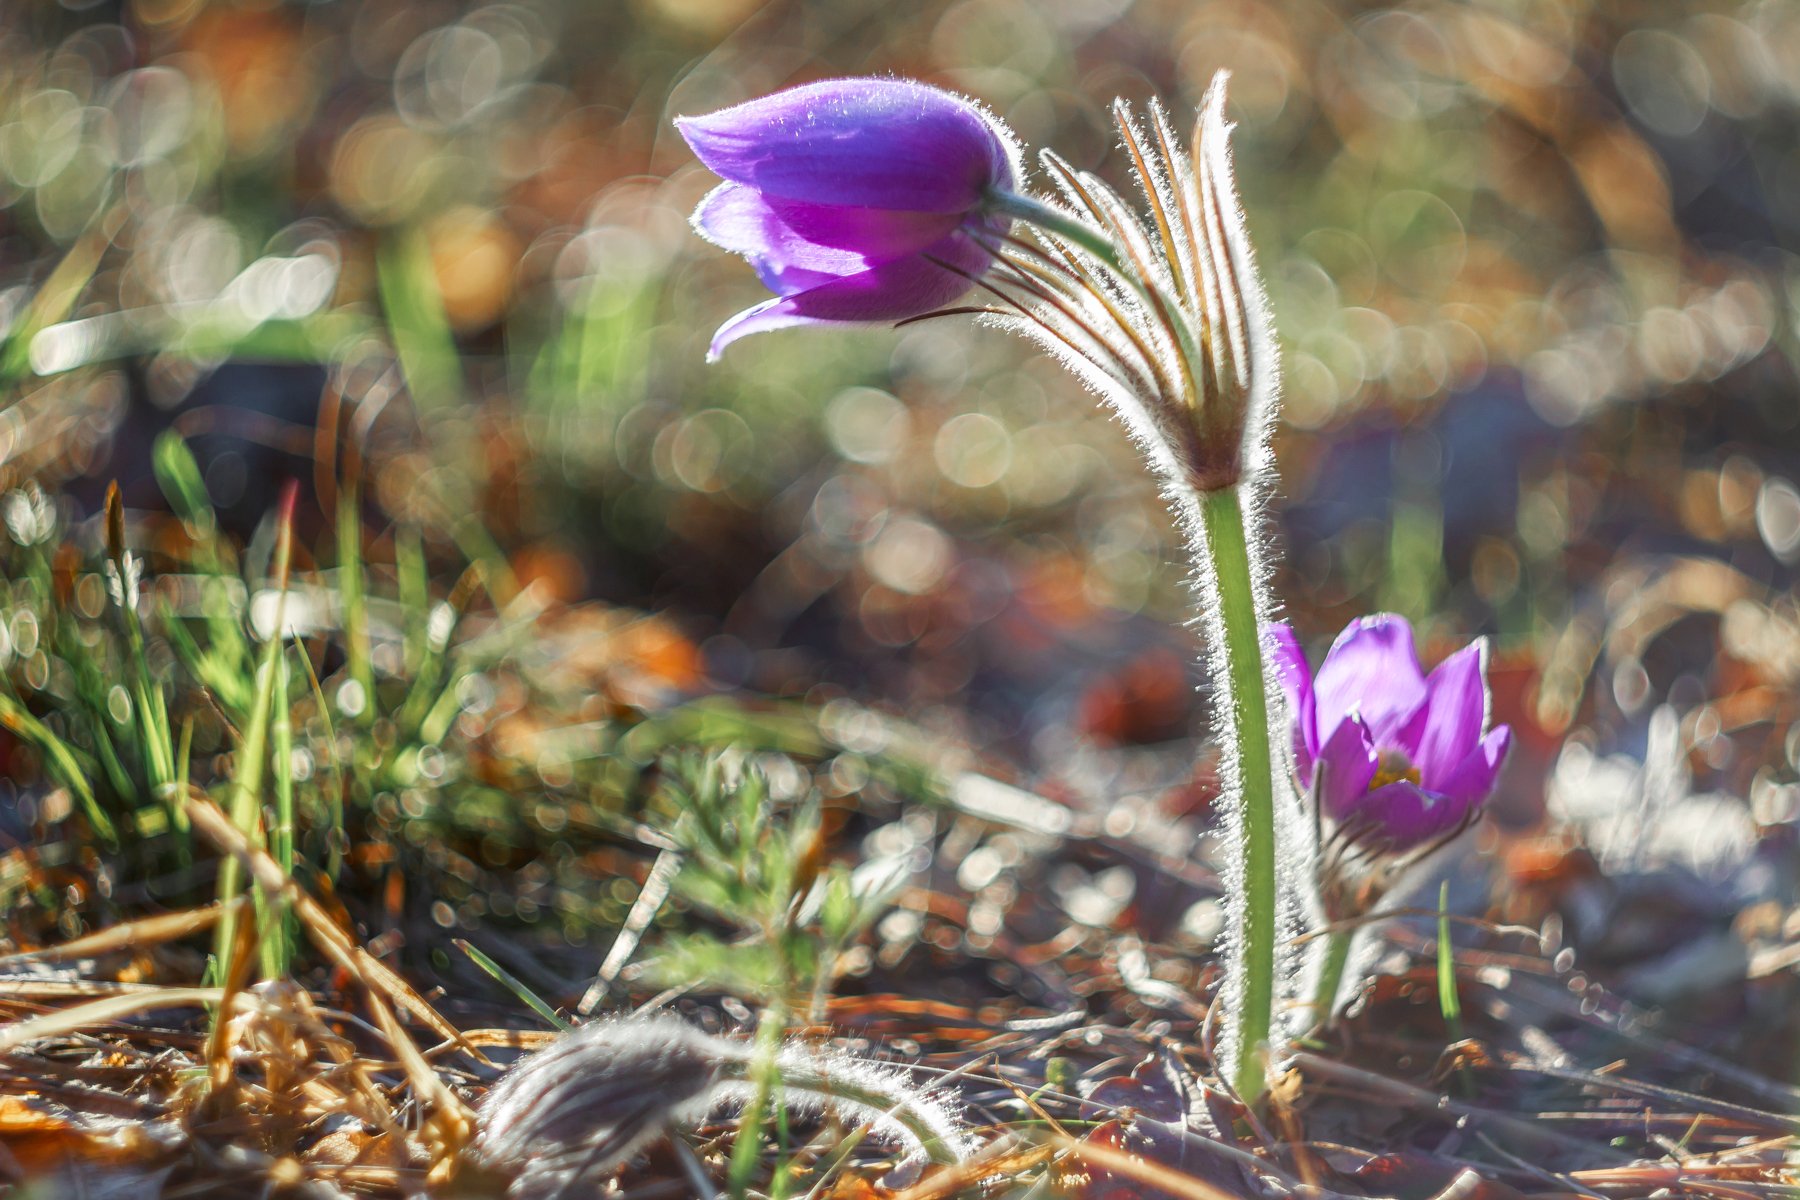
point(848, 195)
point(1396, 757)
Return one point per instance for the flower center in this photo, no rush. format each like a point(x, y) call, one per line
point(1392, 767)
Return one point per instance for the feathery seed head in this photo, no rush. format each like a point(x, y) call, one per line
point(1161, 311)
point(569, 1115)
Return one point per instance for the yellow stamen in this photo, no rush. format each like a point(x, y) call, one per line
point(1392, 768)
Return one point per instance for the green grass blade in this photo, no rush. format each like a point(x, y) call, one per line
point(152, 715)
point(247, 778)
point(414, 578)
point(1448, 1001)
point(63, 762)
point(515, 985)
point(353, 596)
point(182, 484)
point(53, 301)
point(416, 320)
point(282, 739)
point(337, 837)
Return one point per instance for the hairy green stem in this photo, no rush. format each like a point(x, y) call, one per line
point(842, 1087)
point(1244, 697)
point(1331, 976)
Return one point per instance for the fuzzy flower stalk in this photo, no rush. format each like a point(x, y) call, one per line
point(1159, 310)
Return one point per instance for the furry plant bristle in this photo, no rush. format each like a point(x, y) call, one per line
point(563, 1120)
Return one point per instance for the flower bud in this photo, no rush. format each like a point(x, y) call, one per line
point(856, 200)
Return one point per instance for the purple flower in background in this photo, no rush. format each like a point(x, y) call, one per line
point(1396, 757)
point(846, 195)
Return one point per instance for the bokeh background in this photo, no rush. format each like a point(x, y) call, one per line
point(1532, 263)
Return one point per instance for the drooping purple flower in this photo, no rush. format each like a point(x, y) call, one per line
point(1396, 757)
point(847, 195)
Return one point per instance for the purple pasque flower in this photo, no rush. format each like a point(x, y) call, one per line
point(1395, 757)
point(856, 200)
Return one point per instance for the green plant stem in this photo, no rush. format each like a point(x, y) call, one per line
point(766, 1076)
point(1331, 977)
point(1449, 1003)
point(151, 711)
point(1064, 225)
point(876, 1100)
point(287, 933)
point(1243, 689)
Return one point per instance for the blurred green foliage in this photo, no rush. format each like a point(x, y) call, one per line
point(760, 873)
point(489, 202)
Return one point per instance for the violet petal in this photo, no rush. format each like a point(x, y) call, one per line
point(891, 291)
point(794, 240)
point(1402, 815)
point(1373, 670)
point(869, 143)
point(1289, 662)
point(1473, 779)
point(1347, 762)
point(737, 218)
point(1455, 711)
point(770, 315)
point(878, 234)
